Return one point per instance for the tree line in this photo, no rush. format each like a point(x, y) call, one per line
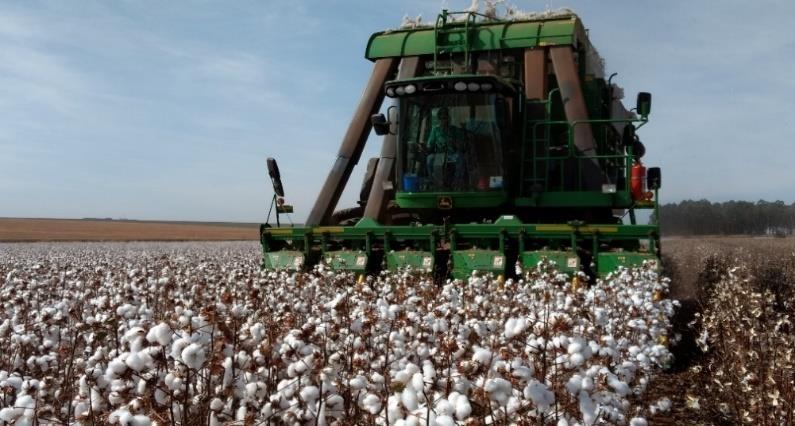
point(703, 217)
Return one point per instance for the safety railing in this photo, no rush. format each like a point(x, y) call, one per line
point(556, 164)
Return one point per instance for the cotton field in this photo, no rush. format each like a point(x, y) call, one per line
point(196, 333)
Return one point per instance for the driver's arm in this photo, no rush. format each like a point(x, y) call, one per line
point(433, 140)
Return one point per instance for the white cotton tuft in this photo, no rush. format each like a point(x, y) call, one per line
point(462, 406)
point(357, 383)
point(514, 327)
point(372, 403)
point(482, 356)
point(445, 420)
point(193, 356)
point(216, 404)
point(541, 396)
point(310, 394)
point(160, 334)
point(409, 399)
point(587, 408)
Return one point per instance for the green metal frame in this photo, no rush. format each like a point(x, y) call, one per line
point(471, 246)
point(489, 35)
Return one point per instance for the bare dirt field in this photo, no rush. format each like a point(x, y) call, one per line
point(685, 258)
point(16, 230)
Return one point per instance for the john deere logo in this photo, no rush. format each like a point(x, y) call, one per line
point(444, 203)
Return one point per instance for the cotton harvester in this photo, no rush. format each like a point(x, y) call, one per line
point(504, 143)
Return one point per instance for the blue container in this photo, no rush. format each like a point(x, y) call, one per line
point(410, 182)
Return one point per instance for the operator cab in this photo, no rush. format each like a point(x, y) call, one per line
point(451, 135)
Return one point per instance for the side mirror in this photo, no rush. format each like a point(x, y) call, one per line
point(653, 178)
point(380, 124)
point(628, 137)
point(638, 149)
point(644, 104)
point(276, 177)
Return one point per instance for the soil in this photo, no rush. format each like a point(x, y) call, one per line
point(17, 230)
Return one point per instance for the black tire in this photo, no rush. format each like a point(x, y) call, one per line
point(347, 217)
point(276, 177)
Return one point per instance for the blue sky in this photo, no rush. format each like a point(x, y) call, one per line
point(167, 110)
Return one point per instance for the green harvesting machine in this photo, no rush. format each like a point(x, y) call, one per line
point(504, 143)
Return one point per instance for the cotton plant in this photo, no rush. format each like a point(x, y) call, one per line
point(749, 337)
point(160, 333)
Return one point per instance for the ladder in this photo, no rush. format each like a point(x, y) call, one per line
point(534, 171)
point(452, 37)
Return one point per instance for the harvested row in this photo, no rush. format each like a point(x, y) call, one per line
point(197, 333)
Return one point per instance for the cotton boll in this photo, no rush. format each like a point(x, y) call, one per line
point(402, 376)
point(482, 356)
point(394, 408)
point(178, 346)
point(138, 361)
point(116, 367)
point(514, 327)
point(120, 416)
point(618, 386)
point(240, 414)
point(193, 356)
point(134, 337)
point(372, 403)
point(409, 399)
point(524, 372)
point(462, 407)
point(140, 387)
point(499, 389)
point(661, 406)
point(160, 334)
point(444, 408)
point(357, 383)
point(255, 390)
point(576, 359)
point(445, 420)
point(9, 414)
point(216, 404)
point(417, 382)
point(140, 420)
point(587, 408)
point(227, 365)
point(541, 396)
point(428, 372)
point(574, 384)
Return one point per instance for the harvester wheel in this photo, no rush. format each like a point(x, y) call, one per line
point(350, 216)
point(347, 217)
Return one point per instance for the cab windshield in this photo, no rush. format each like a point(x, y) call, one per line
point(451, 142)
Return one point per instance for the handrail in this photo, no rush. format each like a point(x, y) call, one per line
point(572, 152)
point(469, 24)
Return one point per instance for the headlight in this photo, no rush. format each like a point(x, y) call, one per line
point(390, 92)
point(473, 87)
point(400, 91)
point(410, 89)
point(460, 86)
point(486, 87)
